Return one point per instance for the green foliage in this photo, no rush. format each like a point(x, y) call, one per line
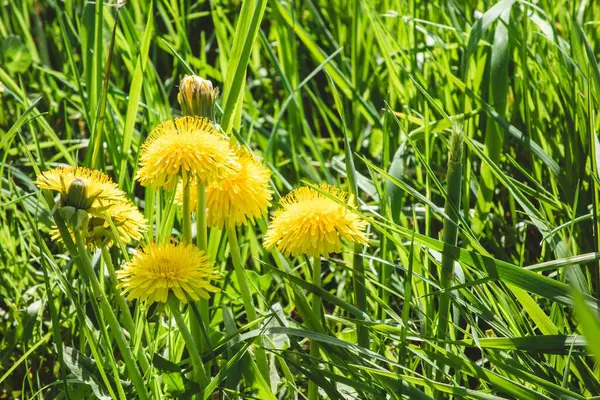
point(362, 94)
point(14, 54)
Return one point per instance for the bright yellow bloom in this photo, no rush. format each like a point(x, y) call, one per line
point(102, 200)
point(129, 223)
point(157, 270)
point(312, 223)
point(236, 198)
point(98, 184)
point(189, 147)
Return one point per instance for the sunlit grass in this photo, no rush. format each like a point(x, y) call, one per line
point(464, 134)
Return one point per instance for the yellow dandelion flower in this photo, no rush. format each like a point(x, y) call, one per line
point(100, 198)
point(129, 223)
point(238, 197)
point(157, 270)
point(309, 222)
point(189, 147)
point(98, 185)
point(128, 220)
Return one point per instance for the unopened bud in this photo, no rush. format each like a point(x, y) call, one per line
point(77, 195)
point(197, 96)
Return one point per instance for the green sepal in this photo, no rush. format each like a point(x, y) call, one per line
point(75, 218)
point(67, 213)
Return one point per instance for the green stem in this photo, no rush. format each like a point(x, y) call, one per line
point(56, 327)
point(101, 275)
point(126, 313)
point(317, 307)
point(201, 242)
point(186, 219)
point(167, 217)
point(450, 236)
point(72, 248)
point(199, 371)
point(149, 210)
point(201, 236)
point(158, 215)
point(360, 294)
point(115, 329)
point(129, 324)
point(385, 279)
point(234, 248)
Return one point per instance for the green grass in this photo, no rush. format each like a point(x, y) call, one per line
point(483, 287)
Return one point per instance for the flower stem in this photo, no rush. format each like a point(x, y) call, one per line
point(201, 242)
point(234, 248)
point(186, 221)
point(199, 371)
point(128, 319)
point(201, 236)
point(129, 324)
point(158, 215)
point(317, 307)
point(360, 294)
point(149, 209)
point(115, 329)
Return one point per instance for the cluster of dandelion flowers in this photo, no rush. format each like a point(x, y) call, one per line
point(236, 198)
point(312, 223)
point(101, 199)
point(190, 147)
point(158, 270)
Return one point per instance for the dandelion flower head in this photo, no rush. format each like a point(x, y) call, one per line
point(103, 201)
point(129, 223)
point(98, 185)
point(189, 147)
point(158, 270)
point(238, 197)
point(312, 223)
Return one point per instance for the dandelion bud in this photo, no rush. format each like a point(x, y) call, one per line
point(197, 96)
point(77, 195)
point(75, 204)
